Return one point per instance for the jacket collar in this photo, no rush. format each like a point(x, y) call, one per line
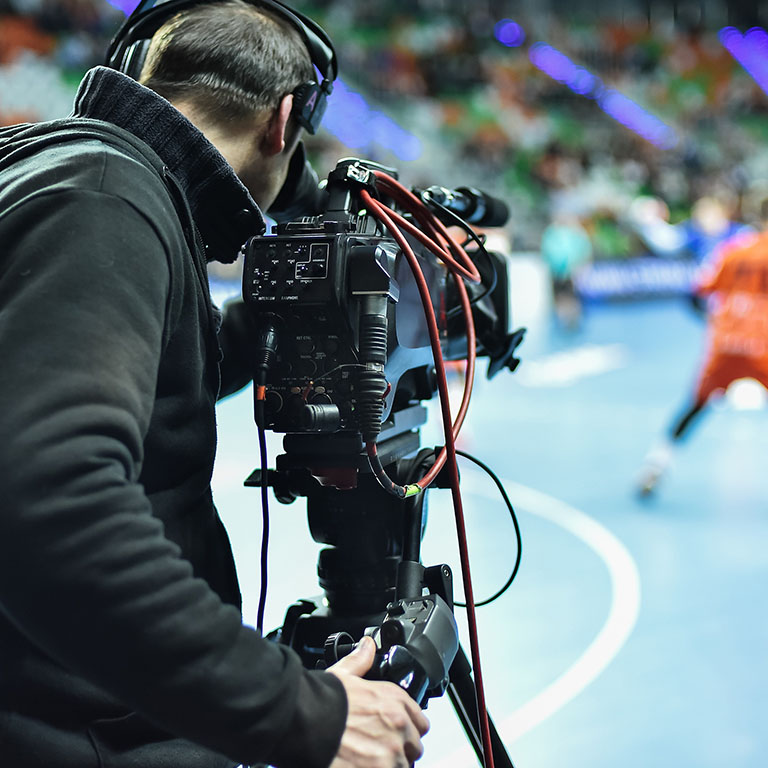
point(223, 209)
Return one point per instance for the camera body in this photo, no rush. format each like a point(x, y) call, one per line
point(332, 285)
point(314, 282)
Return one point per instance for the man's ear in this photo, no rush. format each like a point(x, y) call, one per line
point(276, 133)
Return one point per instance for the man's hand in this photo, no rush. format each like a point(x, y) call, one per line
point(384, 724)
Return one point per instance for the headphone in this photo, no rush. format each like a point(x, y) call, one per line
point(128, 49)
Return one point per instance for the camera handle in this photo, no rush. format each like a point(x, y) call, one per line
point(374, 583)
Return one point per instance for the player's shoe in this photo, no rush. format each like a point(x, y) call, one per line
point(647, 481)
point(656, 462)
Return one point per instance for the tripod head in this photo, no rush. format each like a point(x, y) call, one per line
point(417, 642)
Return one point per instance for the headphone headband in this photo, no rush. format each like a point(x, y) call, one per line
point(129, 45)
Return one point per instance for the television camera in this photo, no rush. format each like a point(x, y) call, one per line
point(355, 315)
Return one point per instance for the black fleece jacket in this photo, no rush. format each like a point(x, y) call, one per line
point(121, 642)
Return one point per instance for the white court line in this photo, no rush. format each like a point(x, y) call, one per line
point(622, 616)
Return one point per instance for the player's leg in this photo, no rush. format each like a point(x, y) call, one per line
point(658, 460)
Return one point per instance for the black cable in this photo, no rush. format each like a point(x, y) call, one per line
point(473, 236)
point(457, 220)
point(384, 480)
point(259, 405)
point(515, 523)
point(266, 350)
point(330, 373)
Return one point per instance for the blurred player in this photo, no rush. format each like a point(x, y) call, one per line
point(737, 335)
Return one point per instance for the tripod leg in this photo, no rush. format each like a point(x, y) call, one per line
point(461, 692)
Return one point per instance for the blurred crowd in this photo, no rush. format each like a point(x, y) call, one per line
point(483, 113)
point(498, 119)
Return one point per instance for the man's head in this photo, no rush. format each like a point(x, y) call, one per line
point(231, 67)
point(229, 58)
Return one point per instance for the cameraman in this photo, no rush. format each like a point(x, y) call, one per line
point(121, 642)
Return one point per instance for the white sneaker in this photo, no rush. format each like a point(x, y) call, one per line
point(656, 463)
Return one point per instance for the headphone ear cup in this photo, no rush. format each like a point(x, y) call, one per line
point(132, 61)
point(309, 102)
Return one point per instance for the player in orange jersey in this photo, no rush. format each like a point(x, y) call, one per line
point(737, 335)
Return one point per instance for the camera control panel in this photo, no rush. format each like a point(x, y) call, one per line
point(289, 269)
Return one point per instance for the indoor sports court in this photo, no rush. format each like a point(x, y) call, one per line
point(633, 632)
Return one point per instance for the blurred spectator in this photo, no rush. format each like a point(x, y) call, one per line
point(708, 228)
point(485, 115)
point(19, 34)
point(566, 248)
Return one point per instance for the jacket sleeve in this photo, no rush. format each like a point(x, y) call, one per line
point(86, 573)
point(236, 339)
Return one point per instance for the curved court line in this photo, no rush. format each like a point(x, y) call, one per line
point(622, 616)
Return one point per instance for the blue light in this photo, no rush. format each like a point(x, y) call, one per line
point(551, 61)
point(509, 33)
point(126, 6)
point(583, 82)
point(633, 116)
point(355, 123)
point(750, 50)
point(758, 38)
point(618, 106)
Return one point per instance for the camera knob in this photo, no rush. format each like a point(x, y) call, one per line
point(320, 418)
point(274, 401)
point(306, 367)
point(305, 346)
point(336, 646)
point(392, 633)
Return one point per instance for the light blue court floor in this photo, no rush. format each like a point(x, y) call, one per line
point(636, 633)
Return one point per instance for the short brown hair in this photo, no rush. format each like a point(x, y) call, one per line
point(230, 59)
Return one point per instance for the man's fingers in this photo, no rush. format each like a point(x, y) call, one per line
point(419, 719)
point(359, 661)
point(383, 721)
point(412, 746)
point(415, 726)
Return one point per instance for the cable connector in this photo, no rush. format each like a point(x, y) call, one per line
point(264, 357)
point(266, 349)
point(359, 172)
